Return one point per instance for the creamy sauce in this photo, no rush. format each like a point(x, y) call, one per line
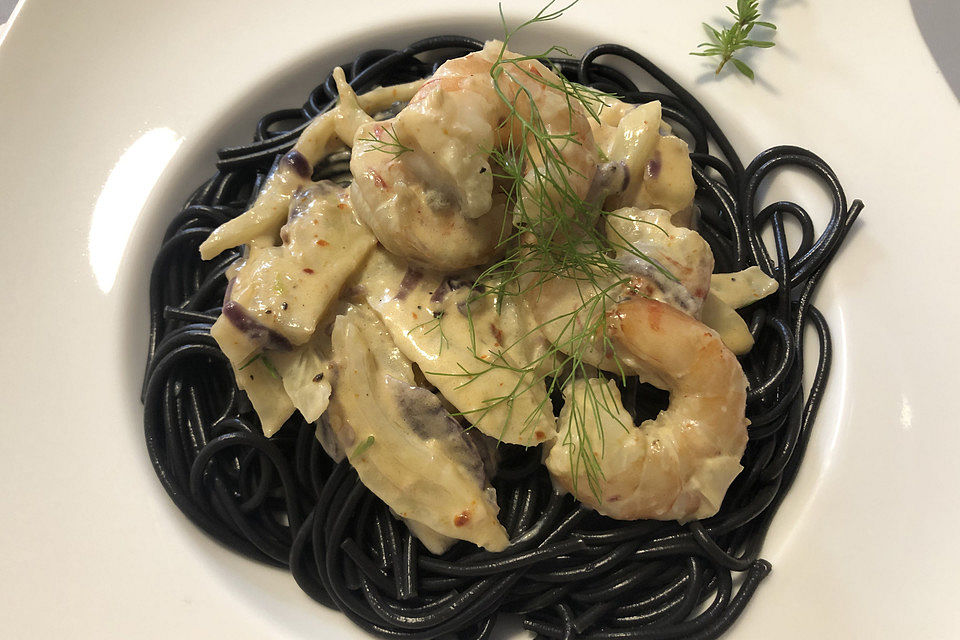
point(324, 135)
point(666, 249)
point(402, 442)
point(358, 306)
point(658, 163)
point(289, 288)
point(463, 363)
point(632, 142)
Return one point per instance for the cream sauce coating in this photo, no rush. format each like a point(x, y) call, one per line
point(296, 345)
point(660, 169)
point(461, 350)
point(402, 442)
point(731, 291)
point(325, 134)
point(289, 288)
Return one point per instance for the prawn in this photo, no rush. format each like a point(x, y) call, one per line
point(423, 180)
point(679, 465)
point(658, 259)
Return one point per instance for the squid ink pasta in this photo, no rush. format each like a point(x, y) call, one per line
point(567, 572)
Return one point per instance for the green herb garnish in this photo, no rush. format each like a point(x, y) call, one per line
point(363, 446)
point(266, 363)
point(391, 146)
point(556, 233)
point(727, 42)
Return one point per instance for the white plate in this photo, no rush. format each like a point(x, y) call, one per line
point(111, 111)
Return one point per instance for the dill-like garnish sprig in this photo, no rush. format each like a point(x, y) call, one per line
point(725, 43)
point(271, 369)
point(555, 234)
point(391, 146)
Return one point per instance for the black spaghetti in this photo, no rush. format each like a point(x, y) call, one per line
point(568, 571)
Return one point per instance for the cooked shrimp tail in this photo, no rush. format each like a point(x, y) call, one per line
point(425, 181)
point(679, 465)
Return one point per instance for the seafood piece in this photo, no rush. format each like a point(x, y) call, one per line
point(423, 180)
point(658, 260)
point(677, 466)
point(404, 445)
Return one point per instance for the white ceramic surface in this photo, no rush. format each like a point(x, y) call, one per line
point(111, 111)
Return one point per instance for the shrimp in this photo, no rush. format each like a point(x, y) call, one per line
point(679, 465)
point(423, 180)
point(658, 260)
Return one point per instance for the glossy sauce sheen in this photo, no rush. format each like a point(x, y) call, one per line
point(341, 291)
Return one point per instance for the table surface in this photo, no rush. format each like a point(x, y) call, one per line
point(6, 8)
point(938, 22)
